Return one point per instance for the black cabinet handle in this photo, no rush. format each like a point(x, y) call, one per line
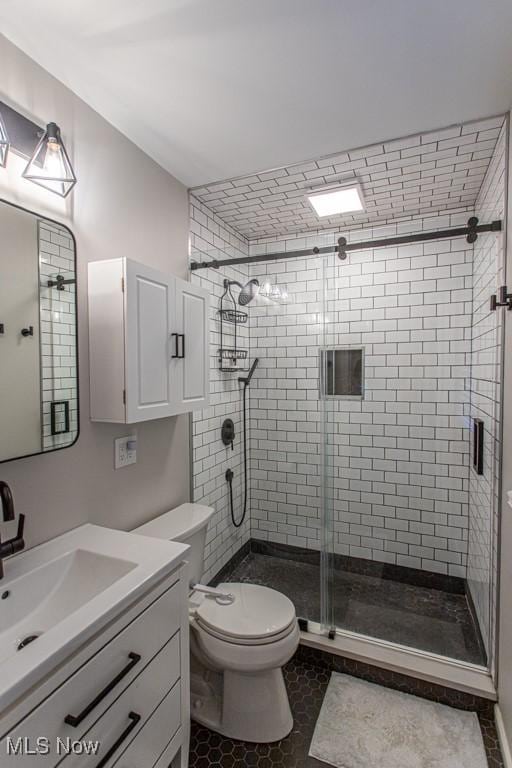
point(176, 354)
point(27, 331)
point(75, 720)
point(134, 719)
point(182, 336)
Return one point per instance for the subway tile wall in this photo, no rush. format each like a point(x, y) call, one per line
point(210, 238)
point(487, 340)
point(401, 486)
point(399, 459)
point(416, 175)
point(58, 337)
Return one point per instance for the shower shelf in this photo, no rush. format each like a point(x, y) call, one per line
point(229, 353)
point(228, 359)
point(233, 316)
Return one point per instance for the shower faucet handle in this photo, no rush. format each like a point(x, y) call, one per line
point(228, 433)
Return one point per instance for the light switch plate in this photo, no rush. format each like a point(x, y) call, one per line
point(125, 451)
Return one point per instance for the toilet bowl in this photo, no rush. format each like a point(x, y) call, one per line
point(241, 635)
point(239, 650)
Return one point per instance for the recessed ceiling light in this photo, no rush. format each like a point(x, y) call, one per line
point(334, 200)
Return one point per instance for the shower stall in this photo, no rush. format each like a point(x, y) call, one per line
point(374, 423)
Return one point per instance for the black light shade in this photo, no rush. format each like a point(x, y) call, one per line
point(4, 143)
point(49, 166)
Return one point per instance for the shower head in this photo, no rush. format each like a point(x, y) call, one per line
point(248, 292)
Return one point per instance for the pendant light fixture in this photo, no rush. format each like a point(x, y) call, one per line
point(4, 143)
point(49, 166)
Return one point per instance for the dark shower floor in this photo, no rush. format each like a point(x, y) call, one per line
point(422, 617)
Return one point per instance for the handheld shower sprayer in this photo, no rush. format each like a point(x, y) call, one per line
point(246, 380)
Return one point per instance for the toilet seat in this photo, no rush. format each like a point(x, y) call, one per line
point(258, 615)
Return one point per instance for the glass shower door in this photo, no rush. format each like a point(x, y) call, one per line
point(410, 365)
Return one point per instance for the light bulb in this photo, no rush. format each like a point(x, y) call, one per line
point(52, 166)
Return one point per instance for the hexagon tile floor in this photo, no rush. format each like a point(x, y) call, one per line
point(306, 687)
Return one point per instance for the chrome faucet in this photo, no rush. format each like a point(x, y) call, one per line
point(17, 543)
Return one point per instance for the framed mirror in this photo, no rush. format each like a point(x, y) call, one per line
point(39, 402)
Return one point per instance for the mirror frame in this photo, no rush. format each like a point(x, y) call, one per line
point(64, 226)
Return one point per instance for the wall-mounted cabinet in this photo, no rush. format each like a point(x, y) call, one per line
point(148, 340)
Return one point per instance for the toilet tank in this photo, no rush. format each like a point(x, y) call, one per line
point(187, 524)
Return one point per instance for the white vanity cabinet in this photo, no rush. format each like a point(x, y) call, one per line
point(125, 705)
point(148, 343)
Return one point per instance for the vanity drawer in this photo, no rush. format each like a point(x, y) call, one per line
point(109, 672)
point(158, 732)
point(131, 713)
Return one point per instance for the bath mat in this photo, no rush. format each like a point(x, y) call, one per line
point(363, 725)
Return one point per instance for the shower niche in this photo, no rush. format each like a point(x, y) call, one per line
point(342, 373)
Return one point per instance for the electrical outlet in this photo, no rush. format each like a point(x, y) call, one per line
point(125, 451)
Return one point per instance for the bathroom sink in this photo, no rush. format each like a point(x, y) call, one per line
point(56, 596)
point(43, 597)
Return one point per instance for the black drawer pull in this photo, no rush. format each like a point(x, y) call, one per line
point(134, 718)
point(75, 720)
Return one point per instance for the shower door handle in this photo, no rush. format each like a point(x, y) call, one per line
point(478, 446)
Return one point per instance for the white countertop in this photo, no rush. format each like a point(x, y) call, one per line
point(141, 562)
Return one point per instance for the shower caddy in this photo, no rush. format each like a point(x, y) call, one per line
point(230, 317)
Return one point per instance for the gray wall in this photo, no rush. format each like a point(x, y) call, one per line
point(123, 205)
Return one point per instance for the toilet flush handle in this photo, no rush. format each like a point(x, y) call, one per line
point(223, 598)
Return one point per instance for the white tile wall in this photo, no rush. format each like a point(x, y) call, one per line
point(400, 456)
point(487, 339)
point(434, 171)
point(402, 490)
point(212, 239)
point(58, 335)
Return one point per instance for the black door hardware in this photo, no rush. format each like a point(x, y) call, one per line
point(505, 299)
point(134, 720)
point(75, 720)
point(478, 446)
point(175, 354)
point(28, 331)
point(2, 329)
point(228, 432)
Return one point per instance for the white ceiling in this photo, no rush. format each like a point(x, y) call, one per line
point(213, 89)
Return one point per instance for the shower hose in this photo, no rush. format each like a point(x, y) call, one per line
point(229, 473)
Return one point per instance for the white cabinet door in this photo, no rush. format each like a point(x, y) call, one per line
point(191, 366)
point(148, 338)
point(149, 308)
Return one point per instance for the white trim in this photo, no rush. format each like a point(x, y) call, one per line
point(441, 670)
point(506, 752)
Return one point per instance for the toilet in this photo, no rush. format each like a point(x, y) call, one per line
point(241, 635)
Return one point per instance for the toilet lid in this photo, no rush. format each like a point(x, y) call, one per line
point(257, 612)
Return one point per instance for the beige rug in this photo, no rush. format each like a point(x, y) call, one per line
point(362, 725)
